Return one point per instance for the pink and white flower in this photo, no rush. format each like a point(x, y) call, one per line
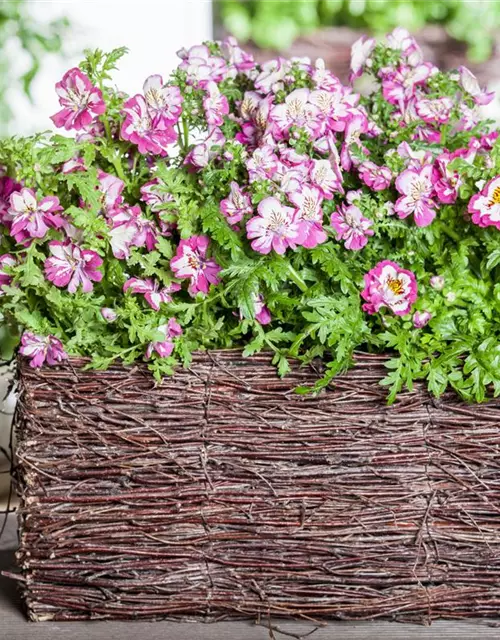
point(309, 216)
point(360, 55)
point(351, 226)
point(417, 190)
point(203, 153)
point(164, 347)
point(263, 164)
point(236, 205)
point(236, 56)
point(111, 189)
point(399, 86)
point(73, 165)
point(30, 218)
point(435, 111)
point(272, 76)
point(201, 66)
point(275, 227)
point(130, 229)
point(447, 182)
point(323, 78)
point(485, 205)
point(154, 197)
point(469, 83)
point(7, 188)
point(108, 314)
point(41, 349)
point(421, 318)
point(401, 40)
point(82, 102)
point(150, 289)
point(163, 101)
point(150, 136)
point(376, 177)
point(296, 111)
point(191, 262)
point(356, 125)
point(72, 266)
point(215, 104)
point(6, 262)
point(388, 285)
point(326, 175)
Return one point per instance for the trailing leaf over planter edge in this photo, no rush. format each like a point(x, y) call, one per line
point(267, 207)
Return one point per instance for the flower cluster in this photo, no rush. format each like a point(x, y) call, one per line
point(267, 206)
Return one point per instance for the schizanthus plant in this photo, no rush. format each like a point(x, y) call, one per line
point(263, 206)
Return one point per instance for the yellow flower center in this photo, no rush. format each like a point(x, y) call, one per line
point(495, 198)
point(396, 286)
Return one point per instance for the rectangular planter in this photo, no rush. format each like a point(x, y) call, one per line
point(221, 492)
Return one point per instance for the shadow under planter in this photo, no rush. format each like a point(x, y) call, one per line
point(222, 493)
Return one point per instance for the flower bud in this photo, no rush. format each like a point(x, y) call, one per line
point(437, 282)
point(108, 314)
point(421, 318)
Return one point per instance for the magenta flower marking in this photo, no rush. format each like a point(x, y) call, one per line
point(72, 266)
point(470, 84)
point(164, 347)
point(163, 101)
point(30, 218)
point(309, 216)
point(351, 226)
point(153, 295)
point(150, 135)
point(6, 263)
point(81, 101)
point(215, 104)
point(191, 262)
point(40, 349)
point(388, 285)
point(485, 205)
point(236, 205)
point(275, 227)
point(417, 189)
point(375, 177)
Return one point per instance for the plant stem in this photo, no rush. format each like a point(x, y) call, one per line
point(297, 279)
point(186, 133)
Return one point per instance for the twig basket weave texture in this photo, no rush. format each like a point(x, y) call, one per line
point(222, 492)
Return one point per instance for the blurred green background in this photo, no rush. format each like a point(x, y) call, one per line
point(275, 24)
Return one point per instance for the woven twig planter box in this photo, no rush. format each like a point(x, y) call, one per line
point(223, 493)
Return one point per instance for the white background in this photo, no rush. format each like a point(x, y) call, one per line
point(153, 30)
